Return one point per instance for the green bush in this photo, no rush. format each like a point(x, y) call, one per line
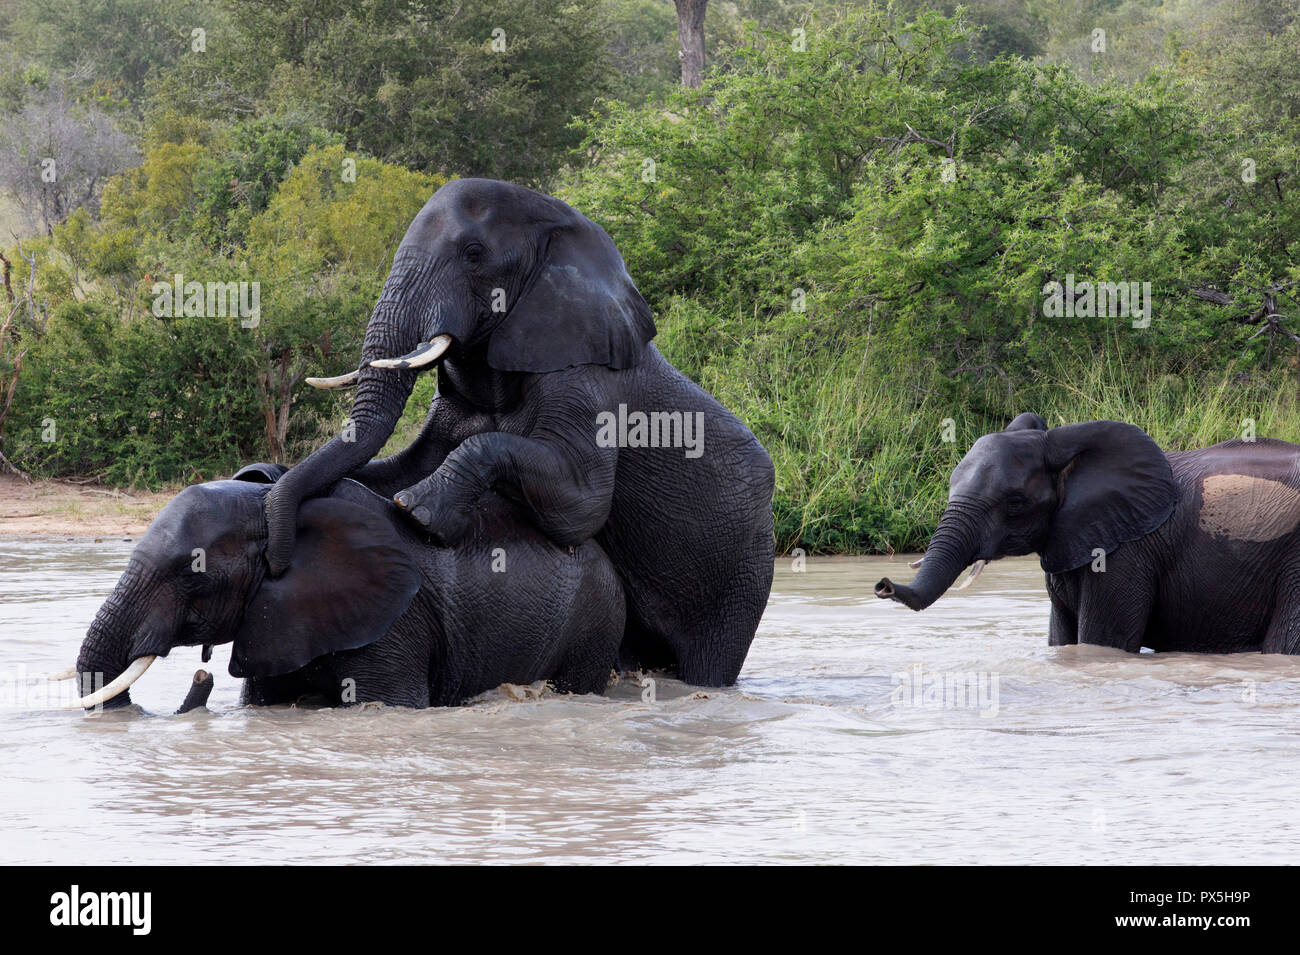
point(145, 402)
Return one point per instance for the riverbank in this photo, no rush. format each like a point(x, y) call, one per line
point(65, 509)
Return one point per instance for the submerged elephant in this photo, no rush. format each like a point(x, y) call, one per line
point(551, 393)
point(367, 610)
point(1190, 550)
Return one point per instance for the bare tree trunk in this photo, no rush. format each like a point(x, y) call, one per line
point(288, 382)
point(690, 34)
point(275, 385)
point(269, 429)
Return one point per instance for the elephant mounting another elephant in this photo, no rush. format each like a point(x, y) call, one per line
point(539, 337)
point(520, 537)
point(1192, 550)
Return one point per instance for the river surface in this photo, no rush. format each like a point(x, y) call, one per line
point(859, 732)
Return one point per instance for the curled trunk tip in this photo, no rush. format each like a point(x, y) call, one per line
point(886, 589)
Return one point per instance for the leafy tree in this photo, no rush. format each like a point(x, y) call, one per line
point(109, 48)
point(480, 88)
point(715, 194)
point(321, 250)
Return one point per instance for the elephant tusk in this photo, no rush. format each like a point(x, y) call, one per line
point(129, 676)
point(67, 674)
point(425, 353)
point(975, 571)
point(339, 381)
point(916, 563)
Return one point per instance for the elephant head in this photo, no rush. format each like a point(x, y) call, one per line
point(198, 578)
point(488, 276)
point(1063, 493)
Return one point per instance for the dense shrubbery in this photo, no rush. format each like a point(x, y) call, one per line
point(136, 397)
point(813, 265)
point(845, 239)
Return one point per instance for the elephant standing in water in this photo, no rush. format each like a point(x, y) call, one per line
point(1190, 550)
point(368, 610)
point(551, 393)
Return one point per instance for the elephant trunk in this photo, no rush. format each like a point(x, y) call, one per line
point(951, 549)
point(380, 397)
point(114, 640)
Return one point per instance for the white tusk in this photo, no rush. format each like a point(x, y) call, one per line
point(425, 354)
point(67, 674)
point(916, 563)
point(129, 676)
point(339, 381)
point(974, 572)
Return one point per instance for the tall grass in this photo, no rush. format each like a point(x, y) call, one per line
point(859, 447)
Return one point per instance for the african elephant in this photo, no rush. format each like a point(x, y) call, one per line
point(551, 393)
point(368, 609)
point(1189, 550)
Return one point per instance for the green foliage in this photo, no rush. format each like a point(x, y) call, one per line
point(320, 220)
point(117, 44)
point(205, 186)
point(716, 193)
point(851, 244)
point(847, 240)
point(137, 396)
point(141, 402)
point(236, 182)
point(419, 84)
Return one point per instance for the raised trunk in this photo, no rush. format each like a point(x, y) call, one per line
point(951, 550)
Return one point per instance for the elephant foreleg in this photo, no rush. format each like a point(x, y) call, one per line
point(567, 491)
point(1283, 634)
point(1064, 627)
point(1102, 607)
point(1115, 605)
point(417, 460)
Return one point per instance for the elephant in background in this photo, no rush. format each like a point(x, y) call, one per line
point(368, 609)
point(1189, 550)
point(541, 340)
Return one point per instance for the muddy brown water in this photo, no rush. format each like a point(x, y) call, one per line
point(859, 732)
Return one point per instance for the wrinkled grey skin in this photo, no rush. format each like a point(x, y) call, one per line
point(1201, 548)
point(369, 609)
point(519, 395)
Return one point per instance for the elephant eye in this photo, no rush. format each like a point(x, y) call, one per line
point(474, 254)
point(1016, 503)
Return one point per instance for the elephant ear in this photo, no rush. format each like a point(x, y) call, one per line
point(1114, 485)
point(260, 473)
point(349, 581)
point(580, 308)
